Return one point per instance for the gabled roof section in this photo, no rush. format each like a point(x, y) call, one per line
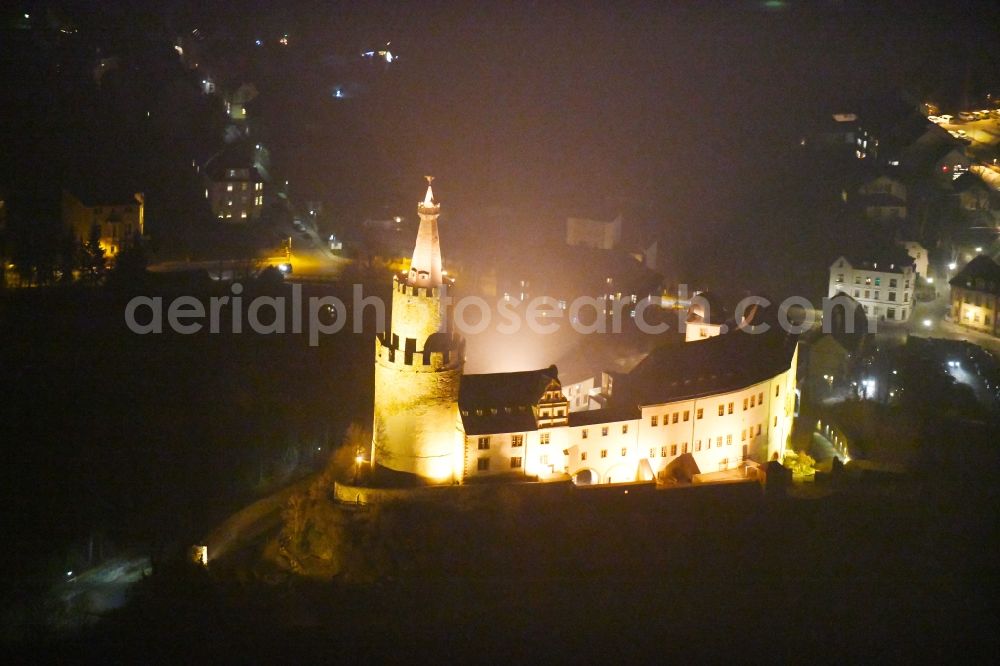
point(505, 389)
point(980, 274)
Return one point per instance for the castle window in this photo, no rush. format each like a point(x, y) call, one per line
point(760, 397)
point(543, 438)
point(718, 442)
point(673, 449)
point(483, 465)
point(585, 433)
point(730, 408)
point(663, 452)
point(743, 435)
point(892, 283)
point(753, 401)
point(687, 415)
point(604, 431)
point(544, 460)
point(676, 417)
point(722, 409)
point(654, 420)
point(652, 453)
point(697, 445)
point(700, 413)
point(583, 456)
point(624, 452)
point(624, 428)
point(729, 440)
point(776, 390)
point(684, 449)
point(484, 443)
point(517, 440)
point(515, 462)
point(604, 453)
point(745, 403)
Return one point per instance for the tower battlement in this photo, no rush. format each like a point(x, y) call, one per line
point(408, 357)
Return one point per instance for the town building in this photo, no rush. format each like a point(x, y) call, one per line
point(882, 282)
point(597, 234)
point(883, 198)
point(234, 185)
point(726, 401)
point(975, 295)
point(919, 255)
point(117, 218)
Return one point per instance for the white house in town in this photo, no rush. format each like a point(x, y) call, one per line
point(883, 284)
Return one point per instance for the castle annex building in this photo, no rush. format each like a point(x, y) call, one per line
point(724, 400)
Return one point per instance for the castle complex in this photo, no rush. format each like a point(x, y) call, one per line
point(726, 400)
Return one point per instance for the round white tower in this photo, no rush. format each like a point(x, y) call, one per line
point(418, 367)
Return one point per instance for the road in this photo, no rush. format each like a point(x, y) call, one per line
point(311, 260)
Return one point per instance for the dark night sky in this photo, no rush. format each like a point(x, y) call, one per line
point(553, 107)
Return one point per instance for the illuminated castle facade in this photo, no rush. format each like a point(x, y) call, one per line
point(725, 400)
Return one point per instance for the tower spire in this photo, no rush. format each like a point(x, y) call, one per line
point(428, 201)
point(425, 268)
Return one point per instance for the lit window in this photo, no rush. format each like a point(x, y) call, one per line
point(543, 438)
point(722, 409)
point(515, 462)
point(484, 443)
point(229, 187)
point(676, 417)
point(730, 408)
point(673, 449)
point(243, 215)
point(654, 420)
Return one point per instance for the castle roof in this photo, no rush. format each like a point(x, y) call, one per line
point(503, 401)
point(606, 415)
point(719, 364)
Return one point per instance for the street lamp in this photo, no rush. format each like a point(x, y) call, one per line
point(927, 323)
point(358, 459)
point(952, 266)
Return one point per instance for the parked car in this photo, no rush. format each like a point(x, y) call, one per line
point(966, 115)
